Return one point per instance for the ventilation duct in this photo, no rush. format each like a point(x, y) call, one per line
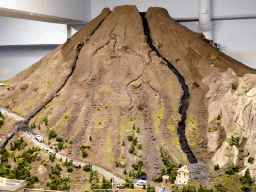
point(205, 24)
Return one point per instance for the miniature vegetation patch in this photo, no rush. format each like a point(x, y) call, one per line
point(233, 140)
point(231, 180)
point(21, 168)
point(94, 180)
point(57, 180)
point(168, 169)
point(233, 88)
point(83, 148)
point(62, 143)
point(1, 119)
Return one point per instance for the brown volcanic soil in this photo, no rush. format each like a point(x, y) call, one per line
point(119, 82)
point(195, 59)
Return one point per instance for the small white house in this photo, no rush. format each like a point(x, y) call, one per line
point(182, 176)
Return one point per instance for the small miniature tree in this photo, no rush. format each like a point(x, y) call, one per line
point(33, 125)
point(233, 88)
point(52, 133)
point(45, 121)
point(250, 160)
point(87, 167)
point(132, 148)
point(246, 179)
point(216, 167)
point(84, 154)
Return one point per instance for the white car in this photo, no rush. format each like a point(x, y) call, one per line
point(39, 138)
point(141, 182)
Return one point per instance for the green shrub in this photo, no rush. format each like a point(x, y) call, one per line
point(230, 170)
point(68, 163)
point(43, 162)
point(246, 179)
point(246, 188)
point(250, 160)
point(233, 88)
point(70, 169)
point(18, 144)
point(138, 130)
point(125, 172)
point(90, 138)
point(39, 127)
point(132, 148)
point(157, 178)
point(1, 119)
point(139, 145)
point(212, 129)
point(134, 141)
point(218, 117)
point(128, 183)
point(234, 140)
point(33, 125)
point(59, 139)
point(45, 121)
point(123, 144)
point(216, 167)
point(117, 163)
point(130, 137)
point(87, 167)
point(84, 154)
point(85, 146)
point(60, 146)
point(219, 187)
point(57, 182)
point(52, 157)
point(52, 133)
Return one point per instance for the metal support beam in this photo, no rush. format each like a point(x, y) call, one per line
point(37, 17)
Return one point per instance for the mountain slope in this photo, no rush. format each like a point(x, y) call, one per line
point(122, 76)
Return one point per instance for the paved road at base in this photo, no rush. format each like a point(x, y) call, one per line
point(31, 134)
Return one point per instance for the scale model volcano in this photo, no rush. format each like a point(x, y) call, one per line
point(132, 86)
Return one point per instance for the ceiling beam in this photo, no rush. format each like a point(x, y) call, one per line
point(37, 17)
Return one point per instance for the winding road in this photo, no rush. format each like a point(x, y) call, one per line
point(29, 133)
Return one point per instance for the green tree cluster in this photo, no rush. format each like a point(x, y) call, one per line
point(232, 169)
point(18, 144)
point(169, 169)
point(57, 181)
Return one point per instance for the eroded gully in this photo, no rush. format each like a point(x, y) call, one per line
point(184, 102)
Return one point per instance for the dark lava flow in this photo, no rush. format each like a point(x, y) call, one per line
point(184, 100)
point(24, 126)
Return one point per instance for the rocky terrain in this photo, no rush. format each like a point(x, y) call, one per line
point(128, 85)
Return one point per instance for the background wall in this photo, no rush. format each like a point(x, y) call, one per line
point(25, 32)
point(14, 59)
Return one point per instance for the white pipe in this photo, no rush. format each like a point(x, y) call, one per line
point(205, 23)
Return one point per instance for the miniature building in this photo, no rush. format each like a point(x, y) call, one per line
point(12, 185)
point(166, 178)
point(182, 176)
